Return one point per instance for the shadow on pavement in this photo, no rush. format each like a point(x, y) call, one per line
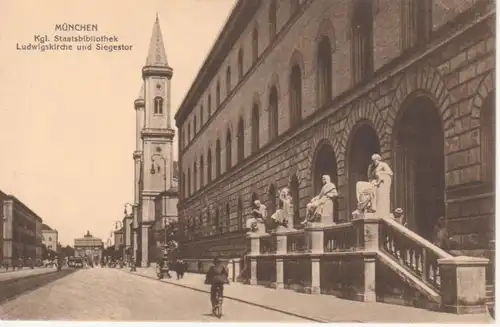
point(12, 288)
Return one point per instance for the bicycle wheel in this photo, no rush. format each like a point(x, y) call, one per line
point(219, 302)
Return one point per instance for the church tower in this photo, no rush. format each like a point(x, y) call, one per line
point(157, 137)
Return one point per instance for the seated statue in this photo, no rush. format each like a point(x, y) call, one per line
point(374, 195)
point(255, 224)
point(316, 209)
point(284, 215)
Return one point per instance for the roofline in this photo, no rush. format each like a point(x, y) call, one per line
point(24, 206)
point(223, 43)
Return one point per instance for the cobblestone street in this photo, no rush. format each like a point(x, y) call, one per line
point(111, 294)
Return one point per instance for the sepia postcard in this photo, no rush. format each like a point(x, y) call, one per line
point(248, 161)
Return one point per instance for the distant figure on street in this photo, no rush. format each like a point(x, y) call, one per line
point(180, 268)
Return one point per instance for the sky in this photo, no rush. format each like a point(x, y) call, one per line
point(67, 120)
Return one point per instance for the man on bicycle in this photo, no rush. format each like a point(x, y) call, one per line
point(216, 276)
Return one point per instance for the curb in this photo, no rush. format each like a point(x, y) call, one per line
point(314, 319)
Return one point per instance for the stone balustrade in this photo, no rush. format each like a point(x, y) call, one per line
point(342, 259)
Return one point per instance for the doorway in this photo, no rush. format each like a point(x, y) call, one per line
point(419, 165)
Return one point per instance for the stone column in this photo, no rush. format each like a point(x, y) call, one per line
point(253, 271)
point(254, 252)
point(463, 284)
point(144, 245)
point(281, 249)
point(369, 294)
point(315, 243)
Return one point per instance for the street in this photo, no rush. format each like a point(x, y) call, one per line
point(112, 294)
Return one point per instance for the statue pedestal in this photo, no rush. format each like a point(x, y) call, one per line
point(367, 230)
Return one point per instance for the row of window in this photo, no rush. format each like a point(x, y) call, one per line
point(221, 221)
point(363, 64)
point(187, 135)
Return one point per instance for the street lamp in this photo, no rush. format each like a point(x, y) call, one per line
point(156, 170)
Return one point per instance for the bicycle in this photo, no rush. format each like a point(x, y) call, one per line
point(217, 309)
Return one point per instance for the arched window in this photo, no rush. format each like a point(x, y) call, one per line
point(158, 109)
point(362, 39)
point(324, 72)
point(189, 181)
point(240, 214)
point(202, 172)
point(241, 140)
point(184, 186)
point(294, 6)
point(209, 106)
point(201, 116)
point(272, 20)
point(295, 94)
point(194, 125)
point(217, 95)
point(217, 219)
point(195, 177)
point(272, 198)
point(240, 64)
point(209, 166)
point(488, 125)
point(273, 113)
point(227, 222)
point(255, 128)
point(255, 45)
point(228, 80)
point(228, 150)
point(294, 190)
point(218, 155)
point(416, 22)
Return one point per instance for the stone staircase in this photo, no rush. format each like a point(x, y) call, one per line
point(370, 259)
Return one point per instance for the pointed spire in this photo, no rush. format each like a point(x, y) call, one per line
point(156, 55)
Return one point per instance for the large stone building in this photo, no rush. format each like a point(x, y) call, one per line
point(89, 247)
point(50, 238)
point(153, 156)
point(21, 236)
point(293, 90)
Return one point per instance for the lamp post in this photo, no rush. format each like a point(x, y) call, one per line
point(156, 170)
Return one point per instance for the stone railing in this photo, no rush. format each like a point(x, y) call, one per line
point(342, 259)
point(413, 252)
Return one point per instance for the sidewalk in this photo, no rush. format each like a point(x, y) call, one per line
point(7, 275)
point(319, 308)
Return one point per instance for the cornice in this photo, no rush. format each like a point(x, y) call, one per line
point(139, 104)
point(167, 133)
point(156, 71)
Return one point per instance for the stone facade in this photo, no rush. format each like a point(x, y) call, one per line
point(50, 238)
point(447, 73)
point(22, 232)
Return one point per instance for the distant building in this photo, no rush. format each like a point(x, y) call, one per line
point(119, 241)
point(21, 235)
point(89, 247)
point(50, 237)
